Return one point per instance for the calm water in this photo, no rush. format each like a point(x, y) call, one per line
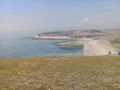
point(28, 48)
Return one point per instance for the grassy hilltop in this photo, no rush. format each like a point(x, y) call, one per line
point(61, 73)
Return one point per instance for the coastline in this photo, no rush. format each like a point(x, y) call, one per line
point(92, 47)
point(97, 47)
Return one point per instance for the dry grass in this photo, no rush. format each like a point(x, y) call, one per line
point(60, 73)
point(113, 37)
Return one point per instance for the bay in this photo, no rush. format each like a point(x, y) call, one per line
point(17, 48)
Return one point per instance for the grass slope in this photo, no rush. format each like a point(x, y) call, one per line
point(60, 73)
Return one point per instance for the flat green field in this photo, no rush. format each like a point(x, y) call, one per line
point(60, 73)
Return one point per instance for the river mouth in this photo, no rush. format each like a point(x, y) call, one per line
point(20, 48)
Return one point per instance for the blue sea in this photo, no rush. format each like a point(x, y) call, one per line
point(17, 48)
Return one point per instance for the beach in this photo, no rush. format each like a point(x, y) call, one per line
point(96, 47)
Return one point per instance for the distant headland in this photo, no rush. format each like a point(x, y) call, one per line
point(65, 35)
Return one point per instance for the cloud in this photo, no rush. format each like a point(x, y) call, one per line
point(86, 23)
point(85, 20)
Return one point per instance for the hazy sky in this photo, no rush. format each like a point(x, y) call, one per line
point(34, 16)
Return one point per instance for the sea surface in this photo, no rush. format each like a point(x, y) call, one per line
point(17, 48)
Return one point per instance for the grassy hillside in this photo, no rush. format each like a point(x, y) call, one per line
point(60, 73)
point(113, 37)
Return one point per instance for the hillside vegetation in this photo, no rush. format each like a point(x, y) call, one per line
point(113, 37)
point(60, 73)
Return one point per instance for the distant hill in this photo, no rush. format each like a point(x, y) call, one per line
point(74, 33)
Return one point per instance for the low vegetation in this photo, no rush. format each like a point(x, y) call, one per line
point(113, 37)
point(61, 73)
point(115, 42)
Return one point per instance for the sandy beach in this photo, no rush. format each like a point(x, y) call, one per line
point(95, 47)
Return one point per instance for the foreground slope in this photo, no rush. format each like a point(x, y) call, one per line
point(60, 73)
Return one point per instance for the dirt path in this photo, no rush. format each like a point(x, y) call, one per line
point(96, 47)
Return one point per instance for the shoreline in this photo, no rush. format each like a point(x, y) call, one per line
point(96, 47)
point(93, 47)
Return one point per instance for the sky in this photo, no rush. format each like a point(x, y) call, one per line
point(18, 17)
